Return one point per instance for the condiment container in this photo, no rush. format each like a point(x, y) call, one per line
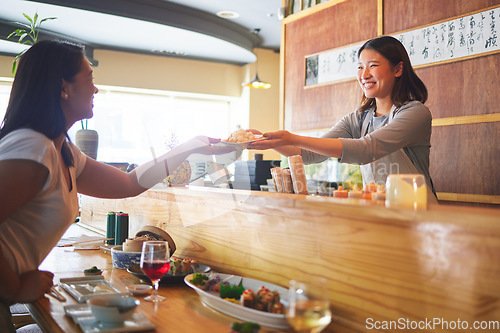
point(121, 228)
point(110, 227)
point(340, 193)
point(355, 194)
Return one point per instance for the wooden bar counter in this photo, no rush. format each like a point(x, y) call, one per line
point(382, 265)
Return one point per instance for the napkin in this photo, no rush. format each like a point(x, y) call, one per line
point(91, 242)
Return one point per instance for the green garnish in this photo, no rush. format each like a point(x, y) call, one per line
point(231, 291)
point(198, 278)
point(93, 269)
point(246, 327)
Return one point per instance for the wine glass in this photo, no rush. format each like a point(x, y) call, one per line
point(308, 306)
point(155, 262)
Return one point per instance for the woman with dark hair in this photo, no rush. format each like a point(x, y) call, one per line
point(41, 171)
point(388, 134)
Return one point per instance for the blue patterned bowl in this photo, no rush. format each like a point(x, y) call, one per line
point(122, 259)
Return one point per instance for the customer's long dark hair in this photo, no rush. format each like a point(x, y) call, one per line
point(408, 87)
point(35, 99)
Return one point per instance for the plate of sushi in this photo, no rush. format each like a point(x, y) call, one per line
point(243, 298)
point(241, 139)
point(179, 268)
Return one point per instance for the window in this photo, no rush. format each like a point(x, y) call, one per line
point(5, 85)
point(134, 124)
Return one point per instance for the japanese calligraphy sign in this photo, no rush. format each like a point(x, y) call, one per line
point(466, 36)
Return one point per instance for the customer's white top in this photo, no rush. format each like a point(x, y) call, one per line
point(28, 235)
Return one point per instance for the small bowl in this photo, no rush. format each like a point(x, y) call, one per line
point(94, 273)
point(123, 259)
point(139, 289)
point(112, 310)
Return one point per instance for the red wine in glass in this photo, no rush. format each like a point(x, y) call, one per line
point(155, 270)
point(155, 262)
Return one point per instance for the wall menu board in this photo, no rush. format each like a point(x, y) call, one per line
point(469, 35)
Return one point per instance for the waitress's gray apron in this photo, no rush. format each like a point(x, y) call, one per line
point(395, 163)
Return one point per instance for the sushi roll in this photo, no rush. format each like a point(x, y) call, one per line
point(194, 265)
point(186, 266)
point(247, 298)
point(175, 264)
point(262, 291)
point(278, 308)
point(267, 300)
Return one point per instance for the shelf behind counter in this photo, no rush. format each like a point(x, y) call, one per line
point(381, 264)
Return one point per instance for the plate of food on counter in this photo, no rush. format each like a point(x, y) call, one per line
point(242, 139)
point(243, 298)
point(179, 268)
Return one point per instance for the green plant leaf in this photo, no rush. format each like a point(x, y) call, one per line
point(16, 32)
point(47, 18)
point(27, 35)
point(26, 26)
point(20, 54)
point(29, 18)
point(21, 32)
point(23, 36)
point(14, 65)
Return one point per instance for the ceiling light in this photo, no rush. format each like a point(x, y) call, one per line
point(257, 83)
point(227, 14)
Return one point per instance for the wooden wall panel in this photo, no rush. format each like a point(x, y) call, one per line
point(324, 106)
point(344, 23)
point(404, 15)
point(463, 88)
point(465, 158)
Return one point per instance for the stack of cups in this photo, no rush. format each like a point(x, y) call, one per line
point(277, 175)
point(287, 181)
point(298, 174)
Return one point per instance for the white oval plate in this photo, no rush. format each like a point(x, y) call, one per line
point(242, 145)
point(213, 300)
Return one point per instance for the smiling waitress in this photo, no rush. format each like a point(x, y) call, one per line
point(388, 134)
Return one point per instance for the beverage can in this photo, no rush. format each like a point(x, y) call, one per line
point(121, 228)
point(110, 227)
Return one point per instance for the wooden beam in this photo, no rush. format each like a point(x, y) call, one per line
point(380, 17)
point(474, 119)
point(464, 197)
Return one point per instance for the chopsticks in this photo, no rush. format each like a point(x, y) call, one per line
point(56, 294)
point(87, 241)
